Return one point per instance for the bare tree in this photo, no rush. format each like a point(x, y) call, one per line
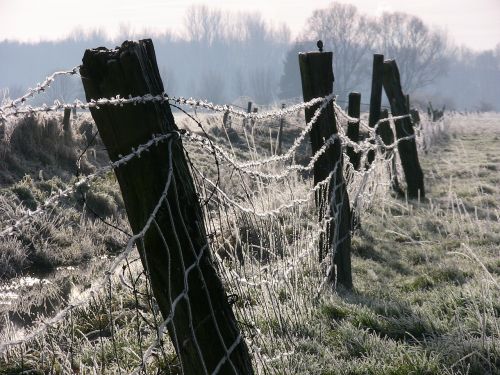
point(212, 86)
point(255, 27)
point(12, 92)
point(205, 25)
point(167, 75)
point(290, 84)
point(65, 89)
point(263, 84)
point(349, 35)
point(421, 53)
point(239, 83)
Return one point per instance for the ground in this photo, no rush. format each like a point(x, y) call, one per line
point(426, 296)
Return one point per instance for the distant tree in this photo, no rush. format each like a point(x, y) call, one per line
point(13, 92)
point(486, 74)
point(263, 84)
point(497, 54)
point(239, 83)
point(350, 36)
point(169, 82)
point(421, 53)
point(255, 27)
point(64, 88)
point(204, 25)
point(290, 84)
point(212, 86)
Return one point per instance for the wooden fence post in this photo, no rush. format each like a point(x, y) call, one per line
point(202, 326)
point(317, 81)
point(67, 131)
point(385, 132)
point(407, 147)
point(375, 96)
point(353, 127)
point(226, 119)
point(280, 132)
point(255, 110)
point(407, 102)
point(247, 122)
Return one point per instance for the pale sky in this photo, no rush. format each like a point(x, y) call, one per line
point(475, 24)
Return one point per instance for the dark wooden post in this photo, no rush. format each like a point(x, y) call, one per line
point(246, 122)
point(317, 81)
point(387, 135)
point(67, 131)
point(226, 119)
point(375, 96)
point(384, 130)
point(280, 132)
point(255, 110)
point(203, 325)
point(415, 116)
point(66, 119)
point(407, 148)
point(353, 127)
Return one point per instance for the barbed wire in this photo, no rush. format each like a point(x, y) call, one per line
point(362, 186)
point(119, 259)
point(40, 87)
point(10, 111)
point(56, 198)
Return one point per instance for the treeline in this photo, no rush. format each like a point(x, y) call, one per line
point(431, 65)
point(222, 56)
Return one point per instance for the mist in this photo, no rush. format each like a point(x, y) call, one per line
point(228, 57)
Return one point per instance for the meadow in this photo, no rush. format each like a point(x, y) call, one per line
point(426, 296)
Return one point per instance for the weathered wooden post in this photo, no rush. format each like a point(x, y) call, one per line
point(353, 127)
point(384, 130)
point(246, 122)
point(66, 119)
point(226, 119)
point(317, 81)
point(375, 96)
point(407, 102)
point(174, 250)
point(407, 147)
point(255, 110)
point(280, 132)
point(387, 135)
point(67, 131)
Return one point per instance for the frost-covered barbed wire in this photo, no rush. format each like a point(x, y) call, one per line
point(279, 276)
point(364, 146)
point(102, 282)
point(283, 269)
point(40, 87)
point(160, 98)
point(162, 329)
point(59, 195)
point(272, 212)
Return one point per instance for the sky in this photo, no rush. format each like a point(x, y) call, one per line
point(475, 24)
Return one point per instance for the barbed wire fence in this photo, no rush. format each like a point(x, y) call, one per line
point(263, 237)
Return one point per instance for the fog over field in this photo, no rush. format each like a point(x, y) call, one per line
point(262, 217)
point(222, 55)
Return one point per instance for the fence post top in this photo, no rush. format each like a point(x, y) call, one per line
point(315, 53)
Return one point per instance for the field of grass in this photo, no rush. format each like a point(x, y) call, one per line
point(426, 297)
